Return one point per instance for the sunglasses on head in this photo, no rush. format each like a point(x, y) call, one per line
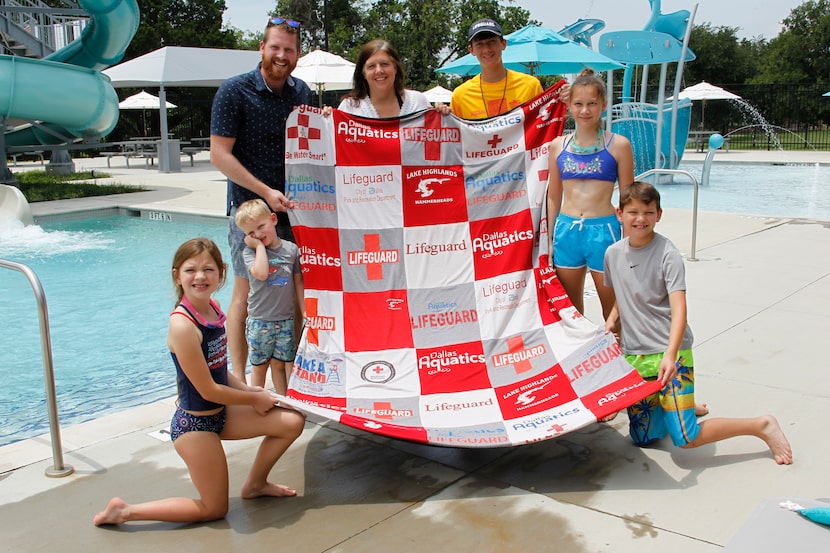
point(282, 21)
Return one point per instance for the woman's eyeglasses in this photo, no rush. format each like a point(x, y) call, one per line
point(282, 21)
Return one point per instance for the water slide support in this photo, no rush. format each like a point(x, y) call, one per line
point(86, 105)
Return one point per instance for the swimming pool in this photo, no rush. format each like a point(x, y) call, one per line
point(109, 291)
point(760, 189)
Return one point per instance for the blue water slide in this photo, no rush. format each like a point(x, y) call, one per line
point(66, 90)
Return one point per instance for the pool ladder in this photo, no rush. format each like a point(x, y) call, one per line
point(58, 469)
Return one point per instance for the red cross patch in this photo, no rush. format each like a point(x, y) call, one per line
point(303, 132)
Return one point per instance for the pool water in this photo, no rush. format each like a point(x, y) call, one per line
point(109, 292)
point(757, 189)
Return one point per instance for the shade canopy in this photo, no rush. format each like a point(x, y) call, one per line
point(183, 66)
point(438, 94)
point(143, 100)
point(324, 71)
point(826, 94)
point(538, 51)
point(180, 66)
point(706, 91)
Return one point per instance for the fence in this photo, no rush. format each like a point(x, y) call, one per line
point(769, 116)
point(797, 116)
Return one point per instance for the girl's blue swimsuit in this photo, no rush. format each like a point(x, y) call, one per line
point(599, 165)
point(215, 349)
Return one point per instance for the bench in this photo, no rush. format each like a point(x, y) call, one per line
point(191, 151)
point(126, 155)
point(149, 158)
point(35, 153)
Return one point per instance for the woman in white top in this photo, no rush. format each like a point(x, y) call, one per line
point(378, 85)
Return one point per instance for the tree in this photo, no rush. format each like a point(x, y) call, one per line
point(800, 53)
point(721, 58)
point(180, 23)
point(335, 26)
point(404, 24)
point(426, 33)
point(245, 40)
point(510, 17)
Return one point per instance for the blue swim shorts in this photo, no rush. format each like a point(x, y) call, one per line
point(671, 410)
point(184, 422)
point(270, 339)
point(581, 242)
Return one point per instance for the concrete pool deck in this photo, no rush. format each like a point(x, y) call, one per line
point(759, 304)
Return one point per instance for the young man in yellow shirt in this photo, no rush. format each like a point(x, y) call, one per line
point(496, 89)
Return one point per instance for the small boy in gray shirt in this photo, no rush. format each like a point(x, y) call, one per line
point(276, 282)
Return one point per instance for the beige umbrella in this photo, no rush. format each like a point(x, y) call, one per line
point(704, 91)
point(144, 101)
point(324, 71)
point(438, 94)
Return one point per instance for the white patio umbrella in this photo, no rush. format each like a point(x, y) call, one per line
point(704, 91)
point(144, 101)
point(438, 94)
point(324, 71)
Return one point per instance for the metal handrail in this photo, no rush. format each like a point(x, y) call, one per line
point(58, 469)
point(650, 172)
point(53, 27)
point(714, 146)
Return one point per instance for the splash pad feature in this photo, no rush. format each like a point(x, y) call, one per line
point(657, 131)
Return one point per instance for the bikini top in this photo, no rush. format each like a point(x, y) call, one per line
point(214, 349)
point(599, 165)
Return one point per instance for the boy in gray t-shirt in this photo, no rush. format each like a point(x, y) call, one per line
point(649, 280)
point(276, 289)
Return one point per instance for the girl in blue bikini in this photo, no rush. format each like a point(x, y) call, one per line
point(213, 405)
point(584, 167)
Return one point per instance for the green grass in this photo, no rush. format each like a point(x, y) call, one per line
point(38, 186)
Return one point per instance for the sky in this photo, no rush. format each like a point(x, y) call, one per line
point(753, 18)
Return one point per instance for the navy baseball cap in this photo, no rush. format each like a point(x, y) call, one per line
point(484, 26)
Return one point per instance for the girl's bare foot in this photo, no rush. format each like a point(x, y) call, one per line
point(777, 442)
point(268, 490)
point(701, 410)
point(117, 512)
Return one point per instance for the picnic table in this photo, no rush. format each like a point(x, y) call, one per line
point(132, 149)
point(146, 148)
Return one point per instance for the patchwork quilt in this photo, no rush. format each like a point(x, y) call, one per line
point(432, 311)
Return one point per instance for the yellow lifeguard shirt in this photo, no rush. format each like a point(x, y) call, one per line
point(474, 99)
